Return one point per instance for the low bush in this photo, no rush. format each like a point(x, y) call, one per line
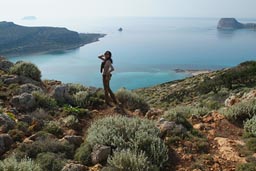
point(123, 133)
point(17, 135)
point(241, 111)
point(251, 144)
point(131, 100)
point(51, 161)
point(187, 111)
point(25, 164)
point(76, 111)
point(128, 160)
point(54, 128)
point(178, 117)
point(83, 154)
point(70, 121)
point(246, 167)
point(44, 101)
point(26, 69)
point(41, 146)
point(250, 126)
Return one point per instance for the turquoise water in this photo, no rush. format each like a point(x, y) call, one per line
point(147, 50)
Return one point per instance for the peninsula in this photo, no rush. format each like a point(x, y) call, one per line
point(21, 40)
point(232, 24)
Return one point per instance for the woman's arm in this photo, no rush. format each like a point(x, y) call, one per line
point(102, 57)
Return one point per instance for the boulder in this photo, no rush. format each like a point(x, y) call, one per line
point(170, 128)
point(100, 153)
point(5, 65)
point(154, 113)
point(16, 79)
point(74, 167)
point(5, 143)
point(29, 88)
point(6, 123)
point(73, 139)
point(23, 102)
point(61, 93)
point(231, 101)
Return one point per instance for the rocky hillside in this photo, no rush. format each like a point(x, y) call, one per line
point(201, 123)
point(17, 40)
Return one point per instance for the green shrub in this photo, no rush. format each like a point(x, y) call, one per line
point(26, 69)
point(44, 100)
point(25, 164)
point(77, 111)
point(250, 126)
point(131, 100)
point(87, 99)
point(187, 111)
point(241, 111)
point(83, 154)
point(41, 146)
point(251, 144)
point(178, 117)
point(54, 128)
point(16, 134)
point(128, 160)
point(51, 161)
point(70, 121)
point(129, 133)
point(246, 167)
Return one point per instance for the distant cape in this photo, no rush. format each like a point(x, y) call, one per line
point(232, 23)
point(20, 40)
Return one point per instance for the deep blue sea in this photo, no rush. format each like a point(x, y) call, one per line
point(146, 51)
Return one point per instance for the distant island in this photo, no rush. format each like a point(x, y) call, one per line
point(21, 40)
point(232, 24)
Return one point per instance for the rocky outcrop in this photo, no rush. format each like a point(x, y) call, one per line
point(100, 153)
point(5, 65)
point(61, 93)
point(5, 143)
point(23, 102)
point(29, 88)
point(6, 123)
point(232, 23)
point(73, 139)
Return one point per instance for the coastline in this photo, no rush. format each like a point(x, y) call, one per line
point(70, 47)
point(193, 72)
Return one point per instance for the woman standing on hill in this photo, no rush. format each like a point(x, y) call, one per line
point(106, 69)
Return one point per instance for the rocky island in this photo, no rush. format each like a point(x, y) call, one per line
point(232, 24)
point(20, 40)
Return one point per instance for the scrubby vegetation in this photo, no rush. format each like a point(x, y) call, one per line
point(185, 131)
point(44, 100)
point(26, 69)
point(250, 126)
point(130, 160)
point(25, 164)
point(131, 100)
point(242, 111)
point(138, 135)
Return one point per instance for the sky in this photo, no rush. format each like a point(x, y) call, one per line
point(16, 9)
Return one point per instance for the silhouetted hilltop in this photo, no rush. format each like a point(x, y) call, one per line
point(232, 23)
point(16, 39)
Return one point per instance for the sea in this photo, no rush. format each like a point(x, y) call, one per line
point(146, 52)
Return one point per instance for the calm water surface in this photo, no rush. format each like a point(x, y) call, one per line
point(147, 50)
